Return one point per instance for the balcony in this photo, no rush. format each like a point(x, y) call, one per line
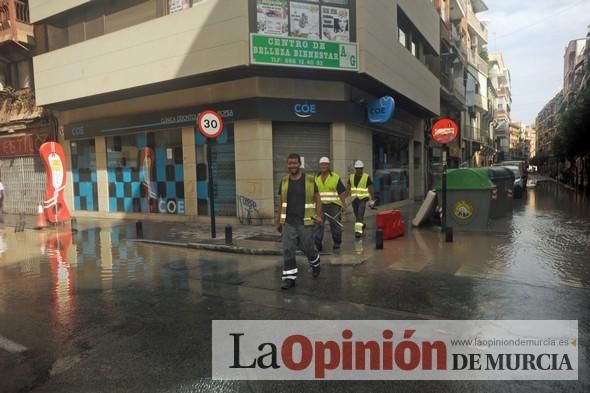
point(476, 26)
point(458, 9)
point(481, 102)
point(14, 23)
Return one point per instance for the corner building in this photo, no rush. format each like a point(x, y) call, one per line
point(127, 79)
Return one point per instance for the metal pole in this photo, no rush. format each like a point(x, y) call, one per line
point(211, 193)
point(444, 188)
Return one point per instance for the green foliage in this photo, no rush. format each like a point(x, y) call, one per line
point(574, 128)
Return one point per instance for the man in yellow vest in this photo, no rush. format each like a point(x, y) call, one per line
point(300, 208)
point(360, 188)
point(333, 196)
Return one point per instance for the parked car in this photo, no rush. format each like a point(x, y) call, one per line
point(519, 181)
point(522, 167)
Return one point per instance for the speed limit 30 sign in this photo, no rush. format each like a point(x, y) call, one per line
point(210, 124)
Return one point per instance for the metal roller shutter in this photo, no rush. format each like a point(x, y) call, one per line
point(24, 183)
point(311, 141)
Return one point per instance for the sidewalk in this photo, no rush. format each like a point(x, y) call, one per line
point(246, 239)
point(260, 239)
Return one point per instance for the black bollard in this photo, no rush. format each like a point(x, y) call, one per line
point(74, 224)
point(379, 239)
point(139, 229)
point(228, 234)
point(449, 234)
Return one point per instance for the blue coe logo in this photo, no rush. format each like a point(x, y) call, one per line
point(305, 110)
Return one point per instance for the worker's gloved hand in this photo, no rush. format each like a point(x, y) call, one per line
point(318, 220)
point(371, 204)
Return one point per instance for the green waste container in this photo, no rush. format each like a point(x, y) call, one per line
point(469, 197)
point(503, 179)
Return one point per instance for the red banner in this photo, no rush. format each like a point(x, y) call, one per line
point(55, 164)
point(17, 146)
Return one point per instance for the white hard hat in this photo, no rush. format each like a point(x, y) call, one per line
point(324, 160)
point(359, 164)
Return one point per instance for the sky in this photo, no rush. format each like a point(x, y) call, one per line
point(532, 36)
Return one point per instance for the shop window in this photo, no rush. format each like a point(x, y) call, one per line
point(145, 173)
point(84, 175)
point(391, 180)
point(224, 173)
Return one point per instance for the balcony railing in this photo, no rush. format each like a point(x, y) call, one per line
point(475, 23)
point(14, 22)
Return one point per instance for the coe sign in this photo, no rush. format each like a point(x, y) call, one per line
point(210, 124)
point(445, 131)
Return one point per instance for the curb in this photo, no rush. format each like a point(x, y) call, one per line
point(214, 247)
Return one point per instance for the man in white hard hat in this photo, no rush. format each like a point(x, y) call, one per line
point(333, 196)
point(360, 188)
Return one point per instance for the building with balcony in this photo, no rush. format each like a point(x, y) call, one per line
point(453, 61)
point(23, 125)
point(127, 80)
point(573, 60)
point(546, 125)
point(499, 75)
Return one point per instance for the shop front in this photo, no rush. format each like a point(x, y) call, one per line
point(156, 163)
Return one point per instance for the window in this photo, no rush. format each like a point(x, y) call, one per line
point(413, 48)
point(401, 36)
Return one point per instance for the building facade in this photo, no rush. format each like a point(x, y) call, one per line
point(127, 80)
point(501, 82)
point(546, 125)
point(23, 125)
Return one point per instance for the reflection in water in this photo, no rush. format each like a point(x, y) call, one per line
point(57, 244)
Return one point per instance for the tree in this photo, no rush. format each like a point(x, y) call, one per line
point(573, 126)
point(558, 147)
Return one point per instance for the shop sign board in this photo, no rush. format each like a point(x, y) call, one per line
point(303, 53)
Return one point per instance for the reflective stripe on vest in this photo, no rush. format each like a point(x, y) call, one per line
point(361, 190)
point(329, 189)
point(309, 212)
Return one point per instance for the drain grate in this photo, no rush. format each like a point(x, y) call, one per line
point(265, 238)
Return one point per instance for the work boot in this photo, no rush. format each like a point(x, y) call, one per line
point(288, 284)
point(315, 271)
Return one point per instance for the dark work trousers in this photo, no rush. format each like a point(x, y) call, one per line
point(318, 233)
point(293, 236)
point(359, 206)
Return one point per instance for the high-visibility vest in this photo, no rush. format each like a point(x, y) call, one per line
point(361, 190)
point(309, 214)
point(329, 189)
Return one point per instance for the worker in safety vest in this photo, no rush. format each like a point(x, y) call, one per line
point(360, 188)
point(300, 208)
point(333, 196)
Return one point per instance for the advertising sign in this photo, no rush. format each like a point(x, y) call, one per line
point(335, 24)
point(55, 164)
point(17, 146)
point(381, 110)
point(297, 52)
point(272, 17)
point(305, 20)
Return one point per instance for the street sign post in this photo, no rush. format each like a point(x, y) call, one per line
point(210, 124)
point(444, 132)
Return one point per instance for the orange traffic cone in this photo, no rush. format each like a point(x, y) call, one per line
point(41, 220)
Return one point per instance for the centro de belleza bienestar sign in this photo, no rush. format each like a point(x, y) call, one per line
point(298, 52)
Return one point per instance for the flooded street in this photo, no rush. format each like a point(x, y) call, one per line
point(100, 313)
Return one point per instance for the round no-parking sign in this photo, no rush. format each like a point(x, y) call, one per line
point(210, 124)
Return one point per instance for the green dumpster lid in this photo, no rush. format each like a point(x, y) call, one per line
point(467, 179)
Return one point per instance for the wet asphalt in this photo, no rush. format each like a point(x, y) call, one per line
point(100, 313)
